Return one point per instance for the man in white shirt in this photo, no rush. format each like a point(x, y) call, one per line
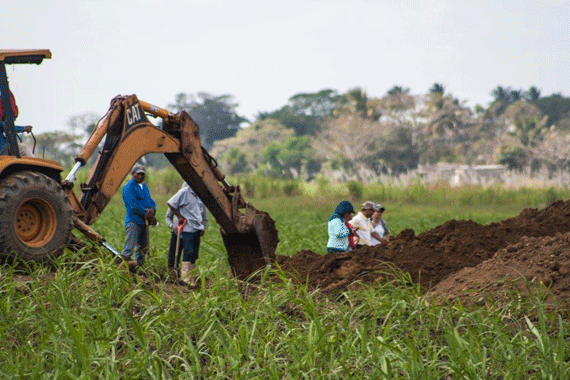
point(363, 224)
point(186, 210)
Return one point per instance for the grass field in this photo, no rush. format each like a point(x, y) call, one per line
point(91, 319)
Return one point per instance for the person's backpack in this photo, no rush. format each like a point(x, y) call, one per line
point(14, 107)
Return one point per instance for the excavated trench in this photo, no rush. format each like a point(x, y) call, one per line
point(458, 259)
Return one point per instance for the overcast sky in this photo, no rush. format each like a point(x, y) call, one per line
point(262, 52)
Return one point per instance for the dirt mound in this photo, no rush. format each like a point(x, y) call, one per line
point(535, 260)
point(434, 255)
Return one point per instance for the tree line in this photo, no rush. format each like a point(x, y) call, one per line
point(353, 135)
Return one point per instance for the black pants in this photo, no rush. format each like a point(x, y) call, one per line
point(190, 242)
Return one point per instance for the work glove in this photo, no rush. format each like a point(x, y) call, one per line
point(150, 218)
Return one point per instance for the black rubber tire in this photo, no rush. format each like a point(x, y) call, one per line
point(35, 217)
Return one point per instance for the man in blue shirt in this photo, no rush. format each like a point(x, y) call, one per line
point(140, 209)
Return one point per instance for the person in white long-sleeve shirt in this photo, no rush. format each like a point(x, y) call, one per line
point(363, 224)
point(187, 210)
point(379, 226)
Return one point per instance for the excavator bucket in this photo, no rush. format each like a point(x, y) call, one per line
point(248, 252)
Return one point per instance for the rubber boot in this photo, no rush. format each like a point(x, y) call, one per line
point(186, 271)
point(193, 278)
point(132, 265)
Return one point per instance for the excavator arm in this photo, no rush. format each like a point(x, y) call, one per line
point(249, 235)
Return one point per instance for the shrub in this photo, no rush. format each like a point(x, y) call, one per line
point(291, 188)
point(551, 195)
point(355, 189)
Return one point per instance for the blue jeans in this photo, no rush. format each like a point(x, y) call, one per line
point(136, 237)
point(190, 242)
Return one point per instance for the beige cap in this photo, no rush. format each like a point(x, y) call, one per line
point(379, 207)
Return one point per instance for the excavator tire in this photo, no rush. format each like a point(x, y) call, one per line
point(35, 217)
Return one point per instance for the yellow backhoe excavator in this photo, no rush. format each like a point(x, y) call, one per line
point(38, 210)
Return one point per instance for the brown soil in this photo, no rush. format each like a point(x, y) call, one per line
point(455, 257)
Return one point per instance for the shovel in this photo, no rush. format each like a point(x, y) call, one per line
point(180, 226)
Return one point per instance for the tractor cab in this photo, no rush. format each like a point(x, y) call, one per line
point(12, 57)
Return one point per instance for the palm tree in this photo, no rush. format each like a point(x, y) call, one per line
point(515, 96)
point(437, 88)
point(358, 99)
point(397, 90)
point(436, 96)
point(502, 100)
point(501, 94)
point(533, 94)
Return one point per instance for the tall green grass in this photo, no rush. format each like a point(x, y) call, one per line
point(94, 320)
point(89, 318)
